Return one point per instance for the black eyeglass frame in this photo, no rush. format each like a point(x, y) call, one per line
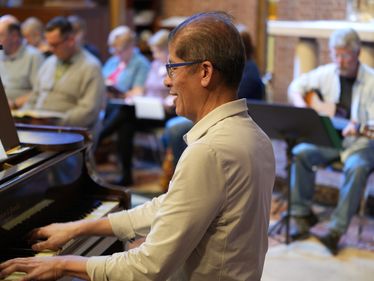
point(171, 66)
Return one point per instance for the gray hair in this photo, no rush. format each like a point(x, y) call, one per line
point(345, 38)
point(122, 34)
point(34, 25)
point(211, 36)
point(159, 39)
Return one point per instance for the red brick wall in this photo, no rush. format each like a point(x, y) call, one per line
point(246, 12)
point(243, 11)
point(311, 10)
point(283, 66)
point(285, 46)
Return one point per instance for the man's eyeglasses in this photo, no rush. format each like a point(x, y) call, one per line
point(342, 55)
point(57, 44)
point(171, 66)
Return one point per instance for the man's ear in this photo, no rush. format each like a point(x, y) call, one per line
point(207, 73)
point(72, 39)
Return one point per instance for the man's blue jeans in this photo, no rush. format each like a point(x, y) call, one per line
point(175, 129)
point(302, 183)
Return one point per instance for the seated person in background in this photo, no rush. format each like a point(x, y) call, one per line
point(212, 223)
point(70, 80)
point(19, 63)
point(154, 87)
point(33, 31)
point(349, 84)
point(251, 87)
point(79, 27)
point(143, 44)
point(125, 73)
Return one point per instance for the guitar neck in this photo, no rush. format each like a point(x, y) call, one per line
point(367, 131)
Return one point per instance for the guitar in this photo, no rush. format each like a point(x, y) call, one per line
point(314, 99)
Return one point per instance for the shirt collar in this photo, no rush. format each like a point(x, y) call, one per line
point(74, 58)
point(222, 112)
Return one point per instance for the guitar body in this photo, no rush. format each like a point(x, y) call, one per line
point(314, 99)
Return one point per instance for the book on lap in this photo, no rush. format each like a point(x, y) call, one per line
point(37, 114)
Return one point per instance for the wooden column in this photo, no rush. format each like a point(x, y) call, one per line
point(261, 35)
point(367, 53)
point(117, 11)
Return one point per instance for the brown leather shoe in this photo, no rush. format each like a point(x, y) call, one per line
point(300, 226)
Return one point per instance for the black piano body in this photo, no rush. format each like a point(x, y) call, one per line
point(42, 185)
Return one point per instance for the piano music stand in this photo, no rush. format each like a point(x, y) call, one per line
point(8, 132)
point(293, 125)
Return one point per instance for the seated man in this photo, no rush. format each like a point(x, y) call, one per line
point(70, 80)
point(19, 63)
point(153, 88)
point(349, 85)
point(33, 31)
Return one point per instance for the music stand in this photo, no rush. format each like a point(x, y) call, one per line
point(8, 132)
point(294, 125)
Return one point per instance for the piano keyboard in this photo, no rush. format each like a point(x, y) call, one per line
point(101, 211)
point(27, 214)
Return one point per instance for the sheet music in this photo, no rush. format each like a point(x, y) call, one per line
point(37, 113)
point(149, 108)
point(3, 154)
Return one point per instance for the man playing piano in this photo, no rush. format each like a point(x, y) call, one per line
point(212, 223)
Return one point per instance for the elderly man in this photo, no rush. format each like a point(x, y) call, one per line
point(19, 63)
point(70, 81)
point(33, 31)
point(212, 223)
point(347, 85)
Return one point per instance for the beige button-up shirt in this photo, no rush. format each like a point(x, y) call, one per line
point(212, 223)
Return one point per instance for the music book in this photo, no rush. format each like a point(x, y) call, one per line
point(37, 114)
point(294, 124)
point(149, 108)
point(3, 154)
point(334, 136)
point(114, 91)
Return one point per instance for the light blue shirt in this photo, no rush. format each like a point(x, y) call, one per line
point(134, 74)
